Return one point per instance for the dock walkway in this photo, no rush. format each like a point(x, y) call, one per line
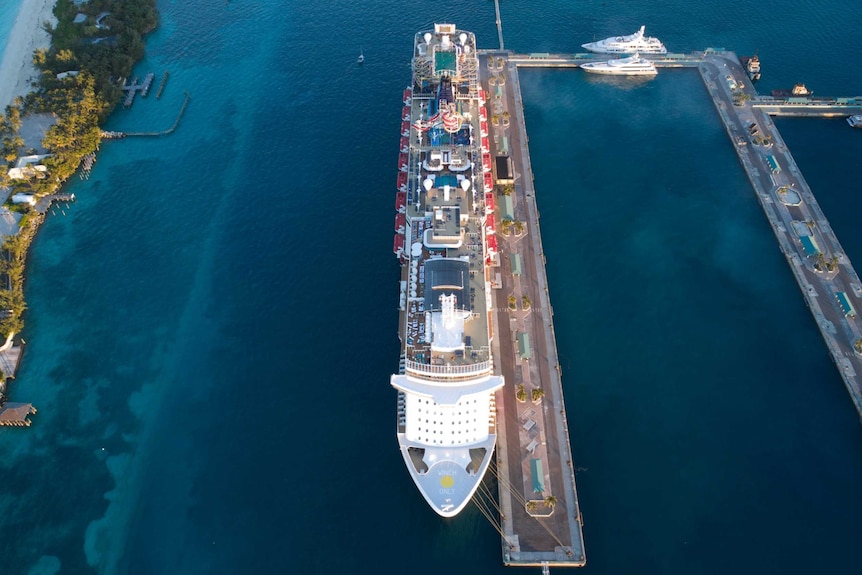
point(541, 520)
point(16, 414)
point(828, 281)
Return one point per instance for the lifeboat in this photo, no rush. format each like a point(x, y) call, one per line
point(489, 203)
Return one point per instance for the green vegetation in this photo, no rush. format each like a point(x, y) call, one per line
point(14, 256)
point(107, 52)
point(857, 346)
point(550, 501)
point(98, 55)
point(537, 394)
point(519, 227)
point(740, 98)
point(521, 393)
point(512, 302)
point(526, 302)
point(823, 264)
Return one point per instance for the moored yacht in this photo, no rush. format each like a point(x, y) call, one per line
point(445, 240)
point(633, 65)
point(855, 120)
point(630, 44)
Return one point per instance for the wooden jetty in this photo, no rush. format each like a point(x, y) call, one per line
point(44, 204)
point(163, 132)
point(148, 81)
point(132, 89)
point(162, 85)
point(130, 92)
point(16, 414)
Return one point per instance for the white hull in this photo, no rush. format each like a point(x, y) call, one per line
point(630, 44)
point(446, 425)
point(618, 72)
point(631, 66)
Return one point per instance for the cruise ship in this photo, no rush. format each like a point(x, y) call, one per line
point(630, 44)
point(630, 66)
point(445, 240)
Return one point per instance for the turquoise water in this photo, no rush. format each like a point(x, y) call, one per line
point(212, 323)
point(8, 13)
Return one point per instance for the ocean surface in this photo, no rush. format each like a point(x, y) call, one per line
point(212, 323)
point(8, 13)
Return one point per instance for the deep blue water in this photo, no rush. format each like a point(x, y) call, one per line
point(212, 323)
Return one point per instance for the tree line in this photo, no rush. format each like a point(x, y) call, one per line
point(99, 54)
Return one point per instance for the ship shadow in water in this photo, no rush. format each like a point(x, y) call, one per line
point(621, 82)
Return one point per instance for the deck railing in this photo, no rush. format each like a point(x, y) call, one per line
point(448, 371)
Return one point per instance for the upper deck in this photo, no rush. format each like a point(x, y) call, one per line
point(442, 179)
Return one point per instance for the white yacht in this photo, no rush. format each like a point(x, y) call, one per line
point(631, 66)
point(855, 120)
point(630, 44)
point(445, 240)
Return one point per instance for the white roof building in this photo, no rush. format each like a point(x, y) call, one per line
point(28, 166)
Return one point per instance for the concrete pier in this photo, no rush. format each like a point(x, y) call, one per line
point(829, 283)
point(543, 526)
point(541, 520)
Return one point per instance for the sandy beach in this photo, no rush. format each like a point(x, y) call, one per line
point(16, 68)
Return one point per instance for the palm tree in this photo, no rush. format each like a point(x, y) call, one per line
point(820, 264)
point(832, 264)
point(857, 346)
point(512, 302)
point(519, 226)
point(526, 303)
point(506, 227)
point(531, 506)
point(521, 393)
point(550, 501)
point(537, 395)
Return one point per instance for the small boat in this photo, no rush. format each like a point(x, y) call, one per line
point(798, 91)
point(361, 58)
point(630, 44)
point(630, 66)
point(752, 66)
point(855, 120)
